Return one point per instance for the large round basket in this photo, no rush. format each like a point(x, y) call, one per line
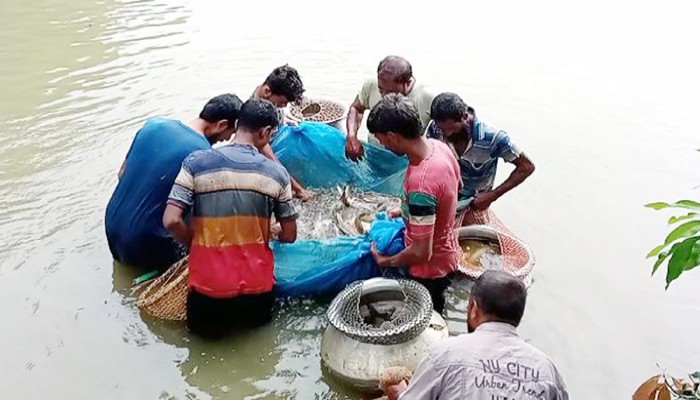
point(344, 315)
point(317, 110)
point(517, 257)
point(166, 296)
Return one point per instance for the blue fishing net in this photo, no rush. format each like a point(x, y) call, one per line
point(325, 267)
point(314, 154)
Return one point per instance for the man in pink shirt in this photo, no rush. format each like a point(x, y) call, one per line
point(429, 202)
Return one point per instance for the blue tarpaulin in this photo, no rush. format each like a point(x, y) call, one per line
point(323, 267)
point(314, 154)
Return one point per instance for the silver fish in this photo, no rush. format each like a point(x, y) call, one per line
point(355, 214)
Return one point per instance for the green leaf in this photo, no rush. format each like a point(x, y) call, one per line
point(663, 256)
point(683, 230)
point(656, 250)
point(681, 259)
point(687, 204)
point(690, 215)
point(658, 205)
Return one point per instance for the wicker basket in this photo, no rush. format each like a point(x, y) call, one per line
point(517, 257)
point(166, 296)
point(327, 111)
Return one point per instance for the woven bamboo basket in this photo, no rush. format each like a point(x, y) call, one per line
point(517, 257)
point(317, 110)
point(166, 296)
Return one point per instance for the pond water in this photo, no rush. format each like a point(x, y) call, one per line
point(603, 96)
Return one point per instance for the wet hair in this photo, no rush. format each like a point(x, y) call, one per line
point(449, 106)
point(258, 113)
point(501, 296)
point(285, 81)
point(395, 67)
point(395, 113)
point(225, 106)
point(393, 376)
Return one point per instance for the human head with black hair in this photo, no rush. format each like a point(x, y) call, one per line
point(219, 117)
point(282, 86)
point(395, 75)
point(450, 113)
point(497, 296)
point(395, 122)
point(257, 122)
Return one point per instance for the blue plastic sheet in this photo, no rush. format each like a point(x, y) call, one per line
point(325, 267)
point(314, 154)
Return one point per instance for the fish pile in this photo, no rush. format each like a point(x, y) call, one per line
point(336, 212)
point(480, 253)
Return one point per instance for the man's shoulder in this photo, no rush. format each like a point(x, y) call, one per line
point(274, 170)
point(486, 132)
point(455, 349)
point(200, 160)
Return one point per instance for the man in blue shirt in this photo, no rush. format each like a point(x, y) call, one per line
point(477, 147)
point(133, 220)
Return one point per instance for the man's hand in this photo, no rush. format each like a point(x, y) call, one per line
point(380, 259)
point(275, 230)
point(483, 200)
point(289, 121)
point(303, 194)
point(394, 212)
point(353, 149)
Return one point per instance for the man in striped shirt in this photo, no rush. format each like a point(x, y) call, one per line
point(232, 192)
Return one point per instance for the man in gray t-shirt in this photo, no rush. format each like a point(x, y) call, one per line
point(491, 362)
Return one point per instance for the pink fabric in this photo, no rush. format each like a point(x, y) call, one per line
point(438, 176)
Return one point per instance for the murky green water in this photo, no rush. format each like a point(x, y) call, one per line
point(603, 96)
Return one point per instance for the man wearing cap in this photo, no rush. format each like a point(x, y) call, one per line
point(477, 146)
point(394, 75)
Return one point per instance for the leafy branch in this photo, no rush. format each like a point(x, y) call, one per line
point(681, 249)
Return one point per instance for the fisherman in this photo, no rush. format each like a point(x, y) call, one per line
point(477, 146)
point(134, 215)
point(281, 87)
point(232, 192)
point(394, 75)
point(492, 361)
point(430, 197)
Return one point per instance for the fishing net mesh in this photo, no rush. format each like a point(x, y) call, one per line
point(329, 110)
point(166, 296)
point(516, 256)
point(344, 314)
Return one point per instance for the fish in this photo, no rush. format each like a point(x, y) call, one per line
point(354, 214)
point(338, 211)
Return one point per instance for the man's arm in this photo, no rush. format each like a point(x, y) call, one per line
point(181, 198)
point(288, 231)
point(286, 214)
point(418, 252)
point(426, 383)
point(353, 146)
point(524, 167)
point(355, 115)
point(422, 212)
point(173, 222)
